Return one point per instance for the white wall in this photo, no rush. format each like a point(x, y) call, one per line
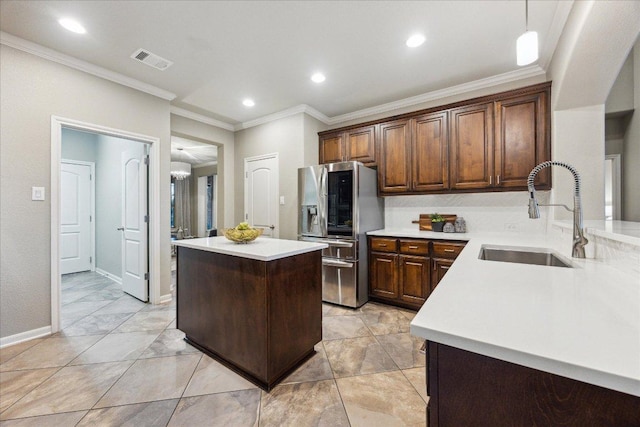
point(631, 154)
point(283, 136)
point(77, 145)
point(33, 89)
point(224, 140)
point(621, 96)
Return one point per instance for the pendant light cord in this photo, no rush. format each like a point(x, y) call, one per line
point(526, 15)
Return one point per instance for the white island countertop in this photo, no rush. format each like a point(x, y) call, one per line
point(581, 323)
point(261, 249)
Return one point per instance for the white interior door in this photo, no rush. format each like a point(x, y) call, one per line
point(134, 224)
point(75, 218)
point(261, 193)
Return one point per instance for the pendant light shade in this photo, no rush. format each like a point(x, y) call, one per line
point(527, 48)
point(527, 44)
point(180, 170)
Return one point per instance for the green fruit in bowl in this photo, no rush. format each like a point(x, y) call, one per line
point(243, 226)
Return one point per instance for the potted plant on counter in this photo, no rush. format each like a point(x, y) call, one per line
point(437, 222)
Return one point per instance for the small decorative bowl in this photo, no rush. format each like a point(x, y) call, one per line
point(242, 236)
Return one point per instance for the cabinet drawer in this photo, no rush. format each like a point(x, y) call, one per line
point(414, 247)
point(383, 245)
point(447, 250)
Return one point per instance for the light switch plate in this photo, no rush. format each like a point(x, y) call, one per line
point(37, 193)
point(282, 200)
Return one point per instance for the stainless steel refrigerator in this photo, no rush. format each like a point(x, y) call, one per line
point(338, 205)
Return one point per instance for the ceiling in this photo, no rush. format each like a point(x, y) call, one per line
point(226, 51)
point(194, 152)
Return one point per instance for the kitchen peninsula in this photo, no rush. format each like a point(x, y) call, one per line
point(256, 307)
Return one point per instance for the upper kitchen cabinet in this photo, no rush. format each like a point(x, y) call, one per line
point(482, 144)
point(429, 152)
point(351, 145)
point(471, 147)
point(332, 148)
point(522, 140)
point(394, 162)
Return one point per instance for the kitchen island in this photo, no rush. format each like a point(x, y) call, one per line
point(256, 307)
point(519, 344)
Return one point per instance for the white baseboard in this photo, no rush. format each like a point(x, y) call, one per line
point(25, 336)
point(165, 299)
point(116, 279)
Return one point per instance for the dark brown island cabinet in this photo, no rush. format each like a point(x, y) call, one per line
point(470, 389)
point(259, 317)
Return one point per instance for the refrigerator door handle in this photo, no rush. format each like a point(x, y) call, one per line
point(334, 263)
point(323, 182)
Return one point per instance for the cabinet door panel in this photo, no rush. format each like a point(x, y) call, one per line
point(429, 150)
point(472, 146)
point(414, 279)
point(361, 145)
point(331, 149)
point(521, 140)
point(383, 271)
point(440, 268)
point(394, 160)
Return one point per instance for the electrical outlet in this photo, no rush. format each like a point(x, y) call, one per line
point(512, 226)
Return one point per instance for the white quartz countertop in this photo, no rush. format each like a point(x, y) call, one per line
point(581, 322)
point(261, 249)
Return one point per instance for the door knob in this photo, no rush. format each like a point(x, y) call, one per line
point(120, 228)
point(272, 227)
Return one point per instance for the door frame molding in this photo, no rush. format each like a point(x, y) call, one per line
point(616, 183)
point(246, 187)
point(92, 208)
point(153, 192)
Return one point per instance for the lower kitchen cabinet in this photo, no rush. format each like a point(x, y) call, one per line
point(383, 275)
point(404, 272)
point(470, 389)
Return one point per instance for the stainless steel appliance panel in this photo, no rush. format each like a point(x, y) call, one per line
point(339, 282)
point(338, 248)
point(312, 196)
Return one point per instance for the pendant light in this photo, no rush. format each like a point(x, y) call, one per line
point(527, 45)
point(180, 170)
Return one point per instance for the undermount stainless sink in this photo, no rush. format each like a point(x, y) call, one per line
point(522, 255)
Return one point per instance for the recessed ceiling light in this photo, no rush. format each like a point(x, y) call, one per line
point(72, 25)
point(415, 40)
point(318, 78)
point(248, 103)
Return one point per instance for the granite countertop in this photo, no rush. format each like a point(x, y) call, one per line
point(261, 249)
point(581, 323)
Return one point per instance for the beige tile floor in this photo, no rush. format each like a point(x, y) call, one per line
point(118, 361)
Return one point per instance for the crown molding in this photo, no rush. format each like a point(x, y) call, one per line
point(302, 108)
point(201, 118)
point(511, 76)
point(55, 56)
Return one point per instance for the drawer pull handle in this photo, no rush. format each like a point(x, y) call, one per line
point(449, 250)
point(383, 245)
point(413, 247)
point(444, 268)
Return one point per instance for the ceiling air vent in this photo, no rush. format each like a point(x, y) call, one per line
point(151, 59)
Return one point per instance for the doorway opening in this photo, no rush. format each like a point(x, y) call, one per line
point(123, 202)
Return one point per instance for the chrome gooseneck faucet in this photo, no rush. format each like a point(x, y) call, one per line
point(579, 241)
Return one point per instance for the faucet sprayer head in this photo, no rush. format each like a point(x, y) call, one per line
point(534, 211)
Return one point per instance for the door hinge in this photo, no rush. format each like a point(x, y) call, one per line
point(246, 216)
point(90, 260)
point(146, 218)
point(246, 174)
point(146, 160)
point(90, 177)
point(90, 218)
point(146, 276)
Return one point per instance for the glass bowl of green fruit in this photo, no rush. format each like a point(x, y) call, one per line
point(242, 233)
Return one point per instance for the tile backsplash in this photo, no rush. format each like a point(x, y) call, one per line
point(484, 212)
